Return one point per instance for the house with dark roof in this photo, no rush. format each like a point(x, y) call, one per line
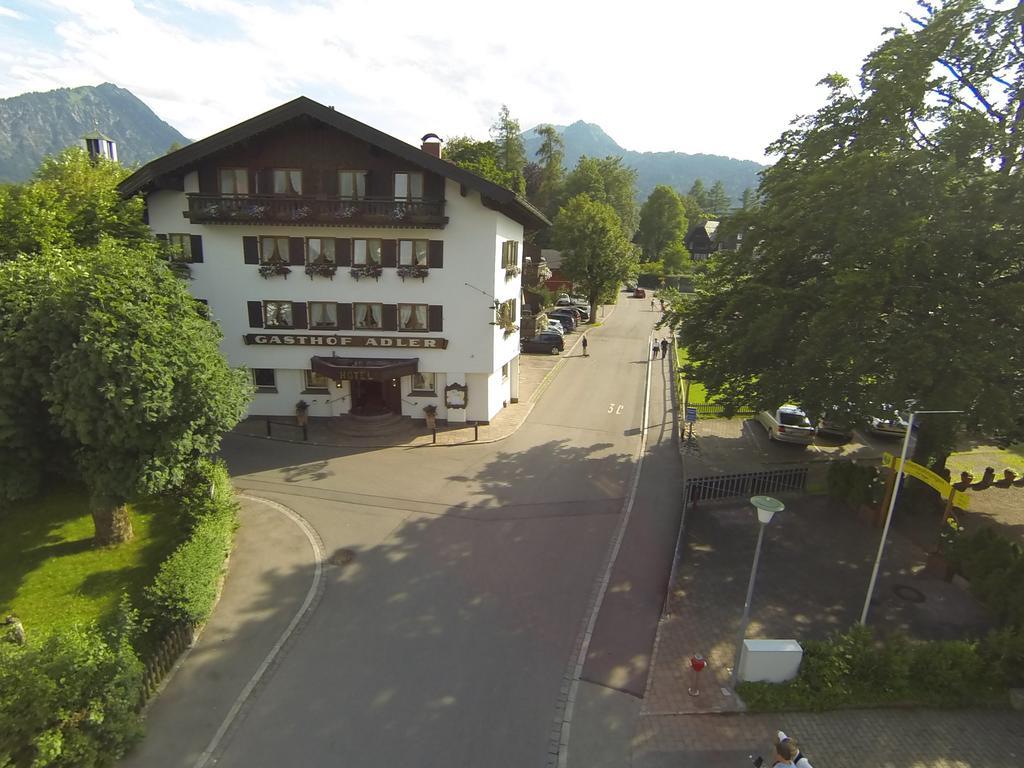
point(348, 269)
point(705, 238)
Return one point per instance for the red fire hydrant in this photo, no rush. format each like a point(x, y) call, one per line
point(697, 664)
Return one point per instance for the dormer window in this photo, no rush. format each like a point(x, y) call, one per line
point(234, 181)
point(408, 186)
point(287, 181)
point(352, 184)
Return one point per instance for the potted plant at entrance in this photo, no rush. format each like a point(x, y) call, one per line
point(302, 412)
point(431, 415)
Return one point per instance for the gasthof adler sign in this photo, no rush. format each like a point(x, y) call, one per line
point(377, 342)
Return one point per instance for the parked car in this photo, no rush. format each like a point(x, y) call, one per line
point(639, 293)
point(565, 300)
point(834, 424)
point(555, 326)
point(787, 424)
point(890, 425)
point(567, 319)
point(576, 313)
point(551, 343)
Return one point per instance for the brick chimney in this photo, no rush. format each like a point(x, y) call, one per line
point(432, 144)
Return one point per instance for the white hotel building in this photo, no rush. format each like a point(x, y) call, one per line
point(347, 268)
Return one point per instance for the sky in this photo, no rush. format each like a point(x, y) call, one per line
point(724, 77)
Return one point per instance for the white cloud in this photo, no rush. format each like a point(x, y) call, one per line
point(10, 13)
point(723, 78)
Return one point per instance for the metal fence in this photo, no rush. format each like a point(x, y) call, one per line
point(714, 410)
point(745, 484)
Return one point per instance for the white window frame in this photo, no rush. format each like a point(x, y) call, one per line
point(315, 383)
point(361, 250)
point(406, 183)
point(327, 254)
point(278, 306)
point(180, 245)
point(408, 255)
point(358, 184)
point(282, 250)
point(285, 179)
point(429, 384)
point(376, 315)
point(236, 175)
point(264, 387)
point(314, 306)
point(412, 314)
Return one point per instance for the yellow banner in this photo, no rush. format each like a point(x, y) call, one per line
point(929, 478)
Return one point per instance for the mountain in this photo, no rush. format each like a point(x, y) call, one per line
point(674, 169)
point(34, 125)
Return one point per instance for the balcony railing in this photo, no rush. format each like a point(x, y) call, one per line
point(324, 211)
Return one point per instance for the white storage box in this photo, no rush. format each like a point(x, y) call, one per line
point(770, 661)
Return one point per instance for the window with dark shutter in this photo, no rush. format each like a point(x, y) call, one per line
point(162, 238)
point(197, 249)
point(345, 317)
point(435, 257)
point(296, 251)
point(389, 253)
point(343, 251)
point(299, 315)
point(255, 313)
point(251, 250)
point(389, 316)
point(435, 317)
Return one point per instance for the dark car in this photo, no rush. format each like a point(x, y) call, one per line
point(566, 313)
point(639, 293)
point(551, 343)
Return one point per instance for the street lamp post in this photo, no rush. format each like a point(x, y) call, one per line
point(766, 508)
point(888, 514)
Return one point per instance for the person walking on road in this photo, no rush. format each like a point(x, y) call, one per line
point(798, 759)
point(654, 349)
point(585, 347)
point(652, 305)
point(664, 347)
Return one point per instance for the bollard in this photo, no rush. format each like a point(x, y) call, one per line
point(268, 427)
point(476, 430)
point(305, 433)
point(434, 430)
point(697, 664)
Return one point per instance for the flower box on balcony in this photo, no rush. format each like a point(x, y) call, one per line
point(274, 269)
point(413, 270)
point(512, 270)
point(367, 270)
point(321, 269)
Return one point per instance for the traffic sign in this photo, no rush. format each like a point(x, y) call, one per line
point(691, 415)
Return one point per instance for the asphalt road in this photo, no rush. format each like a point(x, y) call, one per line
point(445, 640)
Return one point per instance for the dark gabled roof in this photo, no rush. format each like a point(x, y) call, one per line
point(494, 195)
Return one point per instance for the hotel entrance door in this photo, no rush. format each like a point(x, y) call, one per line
point(373, 398)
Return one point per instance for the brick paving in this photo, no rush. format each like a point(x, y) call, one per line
point(814, 569)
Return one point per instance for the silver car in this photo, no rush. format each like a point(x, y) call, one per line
point(787, 424)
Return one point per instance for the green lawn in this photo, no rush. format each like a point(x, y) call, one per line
point(50, 574)
point(698, 395)
point(980, 456)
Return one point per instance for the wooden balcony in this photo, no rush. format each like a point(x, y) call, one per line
point(319, 210)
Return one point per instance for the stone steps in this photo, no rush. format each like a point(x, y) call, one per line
point(378, 425)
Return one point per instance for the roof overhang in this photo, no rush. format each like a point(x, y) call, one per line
point(364, 368)
point(185, 159)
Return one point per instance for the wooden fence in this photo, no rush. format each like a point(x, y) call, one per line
point(167, 651)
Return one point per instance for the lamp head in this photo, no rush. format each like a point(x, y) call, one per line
point(766, 507)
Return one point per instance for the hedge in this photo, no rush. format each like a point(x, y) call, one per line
point(185, 587)
point(854, 670)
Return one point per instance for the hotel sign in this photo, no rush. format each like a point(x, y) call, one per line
point(376, 342)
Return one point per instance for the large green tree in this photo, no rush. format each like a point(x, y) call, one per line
point(479, 157)
point(699, 193)
point(511, 154)
point(885, 262)
point(71, 201)
point(108, 372)
point(662, 223)
point(551, 176)
point(718, 202)
point(596, 254)
point(607, 180)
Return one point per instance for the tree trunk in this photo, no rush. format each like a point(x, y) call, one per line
point(112, 522)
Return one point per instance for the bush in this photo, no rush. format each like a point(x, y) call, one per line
point(1003, 650)
point(185, 587)
point(995, 567)
point(855, 670)
point(856, 484)
point(71, 701)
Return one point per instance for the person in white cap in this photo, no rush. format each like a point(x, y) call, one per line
point(798, 758)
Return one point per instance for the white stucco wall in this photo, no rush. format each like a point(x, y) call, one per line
point(472, 254)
